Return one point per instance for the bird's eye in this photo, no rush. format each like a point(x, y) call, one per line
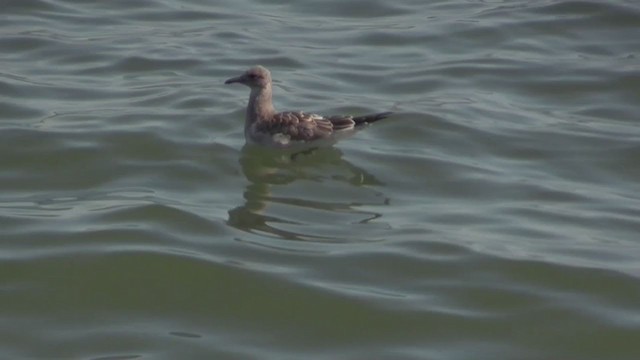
point(253, 76)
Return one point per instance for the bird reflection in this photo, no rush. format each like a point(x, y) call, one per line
point(275, 179)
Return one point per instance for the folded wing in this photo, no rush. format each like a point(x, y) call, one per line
point(296, 126)
point(300, 126)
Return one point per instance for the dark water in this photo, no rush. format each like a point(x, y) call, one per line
point(495, 216)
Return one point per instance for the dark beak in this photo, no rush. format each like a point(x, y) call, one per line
point(235, 80)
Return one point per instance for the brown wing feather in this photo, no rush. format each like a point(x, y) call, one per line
point(298, 126)
point(342, 122)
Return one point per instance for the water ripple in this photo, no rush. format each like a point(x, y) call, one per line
point(502, 192)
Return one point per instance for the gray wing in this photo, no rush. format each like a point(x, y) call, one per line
point(300, 126)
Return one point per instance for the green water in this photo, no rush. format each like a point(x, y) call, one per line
point(494, 216)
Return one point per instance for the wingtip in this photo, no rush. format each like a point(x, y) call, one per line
point(367, 119)
point(384, 115)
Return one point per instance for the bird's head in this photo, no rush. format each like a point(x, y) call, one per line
point(256, 77)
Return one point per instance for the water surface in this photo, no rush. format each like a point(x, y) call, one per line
point(495, 215)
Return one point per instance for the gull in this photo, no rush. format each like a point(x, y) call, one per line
point(291, 129)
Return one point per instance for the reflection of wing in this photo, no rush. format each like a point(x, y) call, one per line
point(300, 126)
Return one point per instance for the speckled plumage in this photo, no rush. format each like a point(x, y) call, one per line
point(265, 126)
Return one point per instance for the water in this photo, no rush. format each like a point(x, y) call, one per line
point(494, 216)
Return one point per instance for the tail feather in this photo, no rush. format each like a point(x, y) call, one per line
point(367, 119)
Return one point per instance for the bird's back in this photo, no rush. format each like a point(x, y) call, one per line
point(289, 128)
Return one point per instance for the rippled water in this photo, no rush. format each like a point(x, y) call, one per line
point(494, 216)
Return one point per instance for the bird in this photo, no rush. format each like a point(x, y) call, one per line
point(291, 129)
